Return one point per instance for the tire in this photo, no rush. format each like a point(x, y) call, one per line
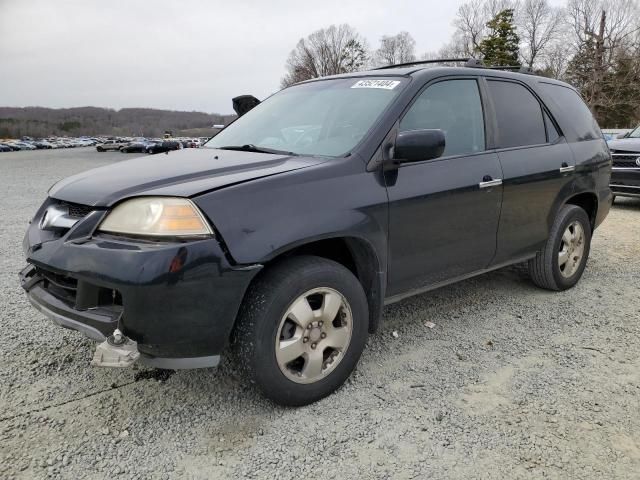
point(546, 269)
point(100, 149)
point(265, 319)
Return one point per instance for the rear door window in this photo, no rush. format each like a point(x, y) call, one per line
point(453, 106)
point(518, 114)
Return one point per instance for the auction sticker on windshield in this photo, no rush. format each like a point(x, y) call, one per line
point(385, 84)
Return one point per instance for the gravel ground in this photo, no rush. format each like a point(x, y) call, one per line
point(511, 382)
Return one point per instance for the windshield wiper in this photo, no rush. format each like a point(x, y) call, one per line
point(252, 148)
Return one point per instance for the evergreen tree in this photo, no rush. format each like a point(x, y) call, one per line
point(502, 44)
point(580, 70)
point(620, 102)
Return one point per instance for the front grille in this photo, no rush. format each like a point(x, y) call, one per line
point(76, 210)
point(625, 160)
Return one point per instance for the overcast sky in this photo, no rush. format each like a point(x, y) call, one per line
point(180, 55)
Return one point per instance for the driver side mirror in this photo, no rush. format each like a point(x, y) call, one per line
point(417, 145)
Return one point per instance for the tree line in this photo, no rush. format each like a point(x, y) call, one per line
point(591, 44)
point(147, 122)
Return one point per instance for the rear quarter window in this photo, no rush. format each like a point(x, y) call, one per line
point(573, 107)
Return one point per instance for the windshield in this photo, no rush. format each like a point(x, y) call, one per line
point(635, 133)
point(326, 118)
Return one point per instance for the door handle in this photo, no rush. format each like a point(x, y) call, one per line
point(488, 182)
point(564, 168)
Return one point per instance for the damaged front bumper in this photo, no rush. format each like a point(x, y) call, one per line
point(92, 323)
point(176, 300)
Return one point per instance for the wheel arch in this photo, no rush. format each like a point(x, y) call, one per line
point(588, 201)
point(355, 254)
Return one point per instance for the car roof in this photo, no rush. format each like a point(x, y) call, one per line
point(425, 72)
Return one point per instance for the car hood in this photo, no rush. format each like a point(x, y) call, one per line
point(625, 144)
point(184, 173)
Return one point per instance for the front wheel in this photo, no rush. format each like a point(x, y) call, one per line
point(301, 329)
point(560, 264)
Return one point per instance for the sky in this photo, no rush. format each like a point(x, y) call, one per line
point(180, 54)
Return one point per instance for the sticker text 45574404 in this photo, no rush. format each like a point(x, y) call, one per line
point(384, 84)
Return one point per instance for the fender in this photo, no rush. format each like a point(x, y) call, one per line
point(593, 174)
point(257, 221)
point(261, 219)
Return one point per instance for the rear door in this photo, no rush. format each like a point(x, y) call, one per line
point(537, 165)
point(443, 213)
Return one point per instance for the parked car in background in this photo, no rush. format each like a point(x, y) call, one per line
point(165, 146)
point(613, 133)
point(110, 145)
point(21, 145)
point(42, 144)
point(63, 143)
point(625, 175)
point(5, 148)
point(29, 143)
point(10, 146)
point(138, 146)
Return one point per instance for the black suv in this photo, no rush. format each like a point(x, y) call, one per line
point(164, 147)
point(286, 235)
point(625, 178)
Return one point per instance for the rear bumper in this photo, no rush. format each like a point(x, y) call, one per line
point(177, 300)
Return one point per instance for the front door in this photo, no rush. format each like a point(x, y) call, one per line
point(444, 212)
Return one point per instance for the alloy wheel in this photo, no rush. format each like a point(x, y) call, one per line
point(313, 335)
point(571, 249)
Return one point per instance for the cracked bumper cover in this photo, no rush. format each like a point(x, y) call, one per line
point(179, 301)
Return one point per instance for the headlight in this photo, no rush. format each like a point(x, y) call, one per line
point(156, 216)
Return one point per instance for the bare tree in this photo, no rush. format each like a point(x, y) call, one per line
point(621, 20)
point(471, 23)
point(601, 29)
point(329, 51)
point(395, 49)
point(555, 59)
point(539, 26)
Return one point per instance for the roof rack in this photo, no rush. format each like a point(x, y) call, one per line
point(512, 68)
point(468, 62)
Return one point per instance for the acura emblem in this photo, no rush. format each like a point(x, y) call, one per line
point(638, 161)
point(56, 216)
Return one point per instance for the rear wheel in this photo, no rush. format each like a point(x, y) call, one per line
point(100, 149)
point(560, 264)
point(301, 329)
